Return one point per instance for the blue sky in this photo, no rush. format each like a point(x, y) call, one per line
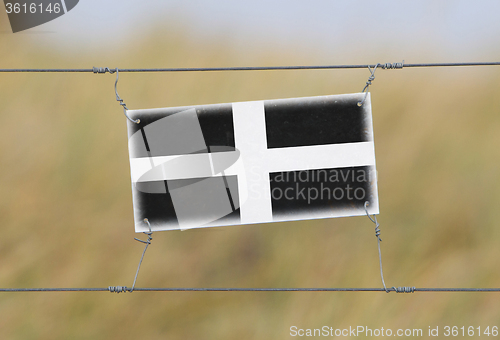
point(358, 30)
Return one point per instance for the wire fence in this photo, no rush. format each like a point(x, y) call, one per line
point(371, 67)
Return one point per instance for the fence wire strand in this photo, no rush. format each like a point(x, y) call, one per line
point(249, 68)
point(109, 289)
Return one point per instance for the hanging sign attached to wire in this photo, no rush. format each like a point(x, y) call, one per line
point(252, 162)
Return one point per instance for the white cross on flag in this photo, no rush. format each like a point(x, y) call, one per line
point(252, 162)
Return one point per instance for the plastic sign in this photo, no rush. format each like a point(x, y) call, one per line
point(252, 162)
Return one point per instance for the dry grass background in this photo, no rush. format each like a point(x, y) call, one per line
point(66, 208)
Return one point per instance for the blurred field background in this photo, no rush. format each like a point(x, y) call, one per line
point(66, 207)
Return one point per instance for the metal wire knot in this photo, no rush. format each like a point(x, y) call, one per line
point(118, 98)
point(389, 66)
point(148, 242)
point(118, 289)
point(386, 66)
point(368, 83)
point(377, 234)
point(102, 70)
point(374, 220)
point(404, 289)
point(137, 121)
point(149, 233)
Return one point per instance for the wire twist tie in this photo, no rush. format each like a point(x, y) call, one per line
point(118, 289)
point(389, 66)
point(377, 234)
point(147, 242)
point(404, 289)
point(368, 83)
point(386, 66)
point(148, 233)
point(374, 220)
point(119, 99)
point(123, 289)
point(103, 70)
